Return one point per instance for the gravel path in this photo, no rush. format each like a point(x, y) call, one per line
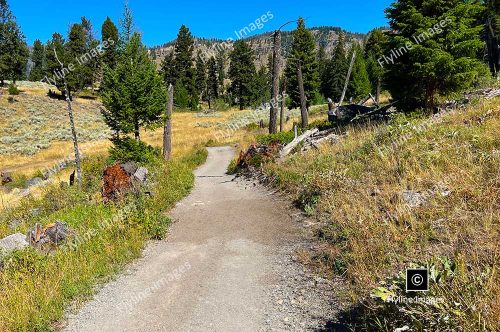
point(226, 265)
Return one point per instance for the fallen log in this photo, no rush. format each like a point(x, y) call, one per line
point(290, 146)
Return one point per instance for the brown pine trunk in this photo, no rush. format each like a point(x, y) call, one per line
point(429, 95)
point(137, 133)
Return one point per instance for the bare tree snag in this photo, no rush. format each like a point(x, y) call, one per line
point(347, 78)
point(303, 104)
point(167, 130)
point(282, 111)
point(72, 125)
point(273, 117)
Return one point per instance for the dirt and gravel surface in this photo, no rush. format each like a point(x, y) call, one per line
point(228, 264)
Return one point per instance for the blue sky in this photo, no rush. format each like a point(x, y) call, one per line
point(159, 21)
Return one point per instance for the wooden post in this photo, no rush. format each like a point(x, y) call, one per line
point(348, 78)
point(303, 104)
point(72, 125)
point(273, 116)
point(282, 111)
point(295, 131)
point(167, 129)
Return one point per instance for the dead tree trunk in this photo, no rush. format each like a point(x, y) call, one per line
point(167, 130)
point(273, 116)
point(348, 78)
point(303, 104)
point(72, 125)
point(492, 48)
point(282, 111)
point(137, 130)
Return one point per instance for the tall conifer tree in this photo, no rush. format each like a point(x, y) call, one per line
point(38, 59)
point(242, 73)
point(303, 50)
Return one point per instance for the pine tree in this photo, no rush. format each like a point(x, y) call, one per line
point(212, 81)
point(359, 84)
point(443, 55)
point(109, 33)
point(492, 34)
point(242, 72)
point(303, 50)
point(335, 74)
point(127, 25)
point(53, 67)
point(133, 92)
point(201, 76)
point(167, 69)
point(14, 52)
point(76, 53)
point(91, 60)
point(375, 48)
point(261, 87)
point(38, 58)
point(221, 70)
point(183, 71)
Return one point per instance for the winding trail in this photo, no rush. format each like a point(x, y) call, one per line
point(226, 265)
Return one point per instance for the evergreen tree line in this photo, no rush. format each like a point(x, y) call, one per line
point(197, 78)
point(84, 57)
point(455, 58)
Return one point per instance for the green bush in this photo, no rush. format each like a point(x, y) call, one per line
point(220, 105)
point(284, 137)
point(129, 149)
point(13, 90)
point(252, 126)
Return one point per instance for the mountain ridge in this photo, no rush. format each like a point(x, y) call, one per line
point(325, 36)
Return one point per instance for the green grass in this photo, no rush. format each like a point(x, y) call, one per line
point(35, 287)
point(355, 188)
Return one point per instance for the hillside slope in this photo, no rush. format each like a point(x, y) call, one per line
point(262, 44)
point(417, 192)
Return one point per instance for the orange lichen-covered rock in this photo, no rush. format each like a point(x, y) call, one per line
point(116, 183)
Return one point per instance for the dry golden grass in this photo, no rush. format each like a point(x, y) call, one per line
point(189, 130)
point(371, 233)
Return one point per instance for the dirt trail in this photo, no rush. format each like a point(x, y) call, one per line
point(226, 265)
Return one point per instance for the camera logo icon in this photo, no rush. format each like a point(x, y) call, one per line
point(417, 280)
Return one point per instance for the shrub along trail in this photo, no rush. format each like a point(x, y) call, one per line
point(226, 265)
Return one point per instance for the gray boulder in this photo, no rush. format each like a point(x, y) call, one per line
point(57, 233)
point(141, 174)
point(129, 167)
point(11, 243)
